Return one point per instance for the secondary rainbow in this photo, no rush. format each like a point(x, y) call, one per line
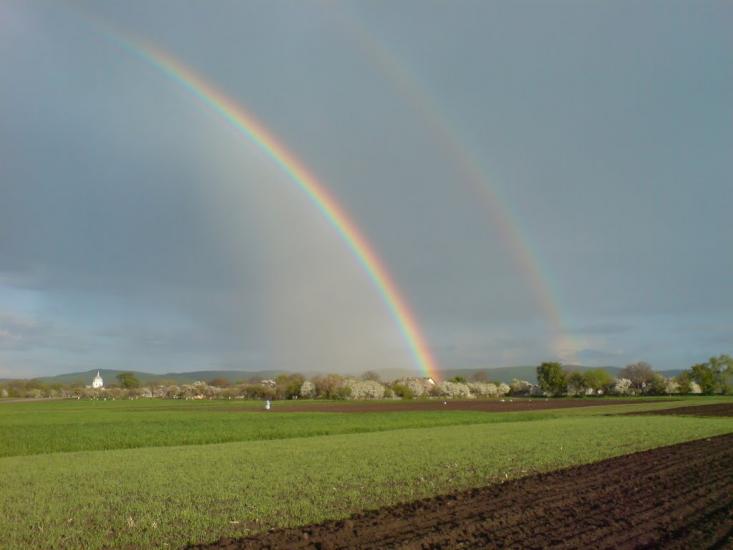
point(447, 138)
point(249, 127)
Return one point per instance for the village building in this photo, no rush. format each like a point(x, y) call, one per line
point(97, 382)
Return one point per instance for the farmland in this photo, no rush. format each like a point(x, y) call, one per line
point(162, 473)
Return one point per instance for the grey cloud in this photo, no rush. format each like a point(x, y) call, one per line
point(602, 328)
point(136, 226)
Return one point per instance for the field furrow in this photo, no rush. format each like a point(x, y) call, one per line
point(677, 497)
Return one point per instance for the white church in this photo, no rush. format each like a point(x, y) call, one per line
point(97, 382)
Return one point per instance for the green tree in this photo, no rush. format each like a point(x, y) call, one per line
point(551, 378)
point(704, 375)
point(683, 379)
point(288, 385)
point(327, 387)
point(128, 380)
point(576, 383)
point(400, 390)
point(657, 385)
point(722, 367)
point(458, 379)
point(598, 380)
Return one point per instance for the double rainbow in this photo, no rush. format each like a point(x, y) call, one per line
point(249, 127)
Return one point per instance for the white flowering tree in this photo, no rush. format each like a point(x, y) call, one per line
point(623, 386)
point(671, 386)
point(454, 390)
point(483, 389)
point(307, 389)
point(365, 389)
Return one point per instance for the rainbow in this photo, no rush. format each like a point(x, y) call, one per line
point(499, 214)
point(249, 127)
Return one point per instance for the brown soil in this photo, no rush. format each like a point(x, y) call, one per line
point(488, 405)
point(720, 409)
point(672, 497)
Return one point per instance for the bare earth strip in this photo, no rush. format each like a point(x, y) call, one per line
point(720, 409)
point(671, 497)
point(487, 405)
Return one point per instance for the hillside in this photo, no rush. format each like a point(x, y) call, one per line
point(110, 376)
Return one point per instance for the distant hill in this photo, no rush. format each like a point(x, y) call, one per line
point(110, 376)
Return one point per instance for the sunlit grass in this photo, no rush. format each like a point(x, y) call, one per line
point(151, 497)
point(65, 426)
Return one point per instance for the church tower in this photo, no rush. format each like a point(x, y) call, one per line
point(97, 382)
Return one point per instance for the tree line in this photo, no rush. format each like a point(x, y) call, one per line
point(714, 376)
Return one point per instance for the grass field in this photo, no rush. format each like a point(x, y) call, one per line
point(162, 473)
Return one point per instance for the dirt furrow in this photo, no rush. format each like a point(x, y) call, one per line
point(678, 497)
point(717, 409)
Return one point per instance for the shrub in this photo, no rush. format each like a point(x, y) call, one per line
point(403, 391)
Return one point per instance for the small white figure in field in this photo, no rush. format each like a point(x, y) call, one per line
point(445, 402)
point(267, 405)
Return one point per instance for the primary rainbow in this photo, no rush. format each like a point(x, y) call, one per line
point(249, 127)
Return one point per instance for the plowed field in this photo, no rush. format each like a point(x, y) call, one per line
point(672, 497)
point(488, 405)
point(720, 409)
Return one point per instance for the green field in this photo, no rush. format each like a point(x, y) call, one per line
point(164, 473)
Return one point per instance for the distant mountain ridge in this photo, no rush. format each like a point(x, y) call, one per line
point(110, 376)
point(494, 374)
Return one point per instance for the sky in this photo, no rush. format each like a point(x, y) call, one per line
point(540, 180)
